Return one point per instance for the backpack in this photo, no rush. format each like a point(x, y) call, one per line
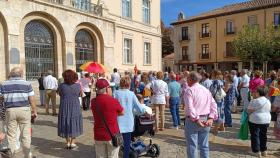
point(217, 91)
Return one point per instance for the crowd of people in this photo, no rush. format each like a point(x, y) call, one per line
point(208, 100)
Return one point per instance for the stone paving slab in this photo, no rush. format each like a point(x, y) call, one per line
point(46, 143)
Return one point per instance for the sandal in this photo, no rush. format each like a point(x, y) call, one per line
point(73, 145)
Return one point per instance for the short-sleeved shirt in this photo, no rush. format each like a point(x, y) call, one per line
point(174, 89)
point(110, 108)
point(85, 83)
point(160, 91)
point(245, 80)
point(16, 92)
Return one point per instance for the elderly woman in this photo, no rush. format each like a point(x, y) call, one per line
point(159, 99)
point(256, 82)
point(129, 102)
point(216, 89)
point(70, 121)
point(259, 120)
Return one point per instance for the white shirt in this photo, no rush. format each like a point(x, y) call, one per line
point(85, 84)
point(160, 91)
point(50, 82)
point(245, 80)
point(262, 107)
point(115, 77)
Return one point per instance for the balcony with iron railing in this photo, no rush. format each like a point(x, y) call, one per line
point(205, 34)
point(81, 5)
point(205, 56)
point(229, 54)
point(185, 39)
point(230, 31)
point(185, 57)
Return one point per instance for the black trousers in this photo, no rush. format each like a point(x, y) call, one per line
point(258, 136)
point(86, 100)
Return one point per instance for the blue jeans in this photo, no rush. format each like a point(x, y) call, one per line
point(114, 88)
point(197, 136)
point(174, 109)
point(221, 113)
point(126, 144)
point(227, 110)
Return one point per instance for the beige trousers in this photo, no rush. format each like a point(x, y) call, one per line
point(159, 111)
point(50, 95)
point(105, 149)
point(19, 117)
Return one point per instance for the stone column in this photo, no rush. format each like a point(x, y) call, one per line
point(216, 66)
point(194, 67)
point(239, 66)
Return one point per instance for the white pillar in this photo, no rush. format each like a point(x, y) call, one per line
point(194, 67)
point(216, 66)
point(240, 66)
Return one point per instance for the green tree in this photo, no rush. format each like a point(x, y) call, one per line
point(257, 46)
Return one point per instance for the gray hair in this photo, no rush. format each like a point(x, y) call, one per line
point(101, 91)
point(245, 71)
point(50, 72)
point(233, 72)
point(16, 72)
point(194, 76)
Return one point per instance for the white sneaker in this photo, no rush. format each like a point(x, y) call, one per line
point(257, 154)
point(177, 128)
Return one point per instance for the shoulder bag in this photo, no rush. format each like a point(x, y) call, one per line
point(117, 139)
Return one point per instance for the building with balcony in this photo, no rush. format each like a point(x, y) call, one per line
point(63, 34)
point(205, 41)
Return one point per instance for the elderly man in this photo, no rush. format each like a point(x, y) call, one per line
point(50, 85)
point(200, 111)
point(18, 98)
point(108, 108)
point(235, 84)
point(244, 88)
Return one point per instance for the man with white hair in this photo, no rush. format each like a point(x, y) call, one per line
point(244, 88)
point(200, 111)
point(235, 84)
point(50, 85)
point(20, 106)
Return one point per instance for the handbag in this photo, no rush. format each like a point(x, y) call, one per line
point(117, 139)
point(220, 94)
point(243, 133)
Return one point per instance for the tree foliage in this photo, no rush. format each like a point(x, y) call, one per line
point(167, 44)
point(258, 46)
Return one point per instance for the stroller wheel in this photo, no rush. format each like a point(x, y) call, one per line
point(133, 154)
point(154, 150)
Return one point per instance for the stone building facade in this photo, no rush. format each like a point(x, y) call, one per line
point(205, 41)
point(62, 34)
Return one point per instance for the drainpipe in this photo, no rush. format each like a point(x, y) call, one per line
point(216, 66)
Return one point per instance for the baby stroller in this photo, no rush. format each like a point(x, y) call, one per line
point(143, 124)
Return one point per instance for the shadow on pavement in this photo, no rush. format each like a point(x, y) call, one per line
point(45, 123)
point(57, 149)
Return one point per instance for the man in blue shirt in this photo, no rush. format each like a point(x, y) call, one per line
point(174, 89)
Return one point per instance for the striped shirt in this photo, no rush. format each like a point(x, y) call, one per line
point(16, 92)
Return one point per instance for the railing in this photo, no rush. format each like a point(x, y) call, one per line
point(205, 34)
point(185, 57)
point(86, 6)
point(55, 1)
point(82, 5)
point(185, 38)
point(205, 56)
point(229, 31)
point(228, 54)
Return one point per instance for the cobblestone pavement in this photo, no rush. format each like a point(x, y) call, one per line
point(46, 143)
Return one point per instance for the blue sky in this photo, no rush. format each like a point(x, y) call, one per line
point(171, 8)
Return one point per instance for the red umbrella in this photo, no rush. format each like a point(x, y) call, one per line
point(92, 67)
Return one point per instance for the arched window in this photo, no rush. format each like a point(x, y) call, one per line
point(84, 48)
point(39, 49)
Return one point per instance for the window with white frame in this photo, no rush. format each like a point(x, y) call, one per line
point(126, 8)
point(147, 53)
point(146, 11)
point(127, 51)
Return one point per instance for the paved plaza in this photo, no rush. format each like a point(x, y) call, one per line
point(46, 143)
